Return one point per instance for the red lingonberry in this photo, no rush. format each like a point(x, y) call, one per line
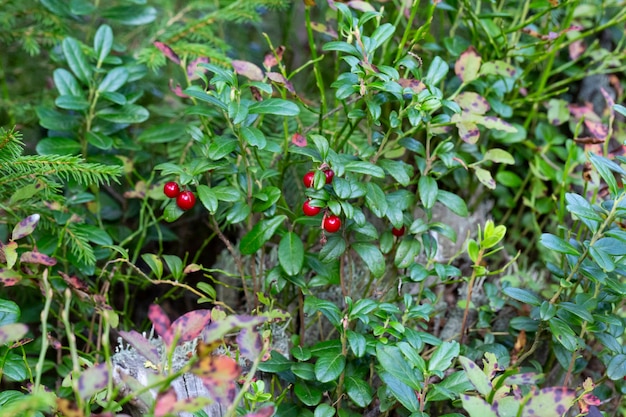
point(186, 200)
point(308, 179)
point(171, 189)
point(331, 223)
point(310, 210)
point(397, 232)
point(330, 174)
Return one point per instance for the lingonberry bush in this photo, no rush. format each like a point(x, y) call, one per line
point(353, 208)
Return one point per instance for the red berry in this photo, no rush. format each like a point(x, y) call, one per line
point(171, 189)
point(308, 179)
point(397, 232)
point(332, 223)
point(310, 210)
point(186, 200)
point(329, 175)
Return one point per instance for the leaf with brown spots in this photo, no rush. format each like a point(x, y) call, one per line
point(188, 326)
point(141, 345)
point(11, 332)
point(68, 409)
point(218, 328)
point(159, 319)
point(218, 375)
point(247, 69)
point(165, 403)
point(549, 402)
point(93, 380)
point(499, 68)
point(280, 79)
point(267, 411)
point(250, 343)
point(8, 254)
point(468, 65)
point(34, 257)
point(25, 227)
point(472, 103)
point(9, 277)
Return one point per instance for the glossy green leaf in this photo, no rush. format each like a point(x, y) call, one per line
point(221, 147)
point(128, 114)
point(428, 191)
point(114, 80)
point(94, 234)
point(335, 246)
point(373, 258)
point(275, 106)
point(71, 103)
point(9, 312)
point(207, 198)
point(406, 252)
point(175, 265)
point(616, 368)
point(365, 168)
point(500, 156)
point(393, 362)
point(254, 137)
point(602, 258)
point(260, 233)
point(357, 343)
point(436, 71)
point(359, 391)
point(452, 201)
point(399, 170)
point(291, 253)
point(76, 59)
point(154, 263)
point(401, 391)
point(308, 393)
point(443, 356)
point(66, 84)
point(102, 42)
point(524, 296)
point(330, 366)
point(381, 35)
point(131, 15)
point(162, 133)
point(375, 200)
point(557, 244)
point(324, 410)
point(99, 140)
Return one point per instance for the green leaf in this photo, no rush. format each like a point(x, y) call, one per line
point(523, 296)
point(485, 178)
point(304, 370)
point(500, 156)
point(203, 96)
point(335, 246)
point(58, 146)
point(291, 253)
point(9, 312)
point(577, 310)
point(329, 366)
point(275, 106)
point(602, 258)
point(175, 265)
point(436, 71)
point(260, 233)
point(366, 168)
point(372, 257)
point(76, 59)
point(381, 35)
point(254, 137)
point(563, 333)
point(452, 201)
point(476, 376)
point(102, 42)
point(357, 342)
point(114, 80)
point(359, 391)
point(327, 308)
point(442, 357)
point(375, 200)
point(341, 46)
point(128, 114)
point(155, 264)
point(616, 368)
point(162, 133)
point(403, 393)
point(468, 65)
point(207, 198)
point(393, 362)
point(221, 147)
point(95, 234)
point(226, 193)
point(71, 103)
point(557, 244)
point(66, 84)
point(132, 15)
point(400, 171)
point(407, 251)
point(606, 168)
point(99, 140)
point(322, 146)
point(307, 393)
point(472, 250)
point(428, 191)
point(324, 410)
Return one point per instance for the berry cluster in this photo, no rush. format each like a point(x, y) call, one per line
point(185, 200)
point(330, 222)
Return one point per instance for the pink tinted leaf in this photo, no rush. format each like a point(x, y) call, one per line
point(468, 65)
point(247, 69)
point(472, 102)
point(361, 6)
point(33, 257)
point(188, 326)
point(585, 111)
point(193, 67)
point(165, 403)
point(279, 79)
point(159, 319)
point(250, 343)
point(177, 90)
point(272, 59)
point(415, 85)
point(576, 49)
point(324, 29)
point(141, 345)
point(93, 380)
point(597, 129)
point(218, 375)
point(167, 51)
point(267, 411)
point(25, 227)
point(609, 100)
point(298, 140)
point(9, 277)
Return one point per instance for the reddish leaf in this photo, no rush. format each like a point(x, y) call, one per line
point(597, 129)
point(159, 320)
point(267, 411)
point(165, 403)
point(248, 70)
point(298, 140)
point(272, 59)
point(279, 79)
point(468, 65)
point(167, 51)
point(74, 282)
point(576, 49)
point(177, 90)
point(141, 345)
point(609, 100)
point(250, 343)
point(188, 326)
point(324, 29)
point(218, 374)
point(68, 408)
point(416, 85)
point(33, 257)
point(193, 67)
